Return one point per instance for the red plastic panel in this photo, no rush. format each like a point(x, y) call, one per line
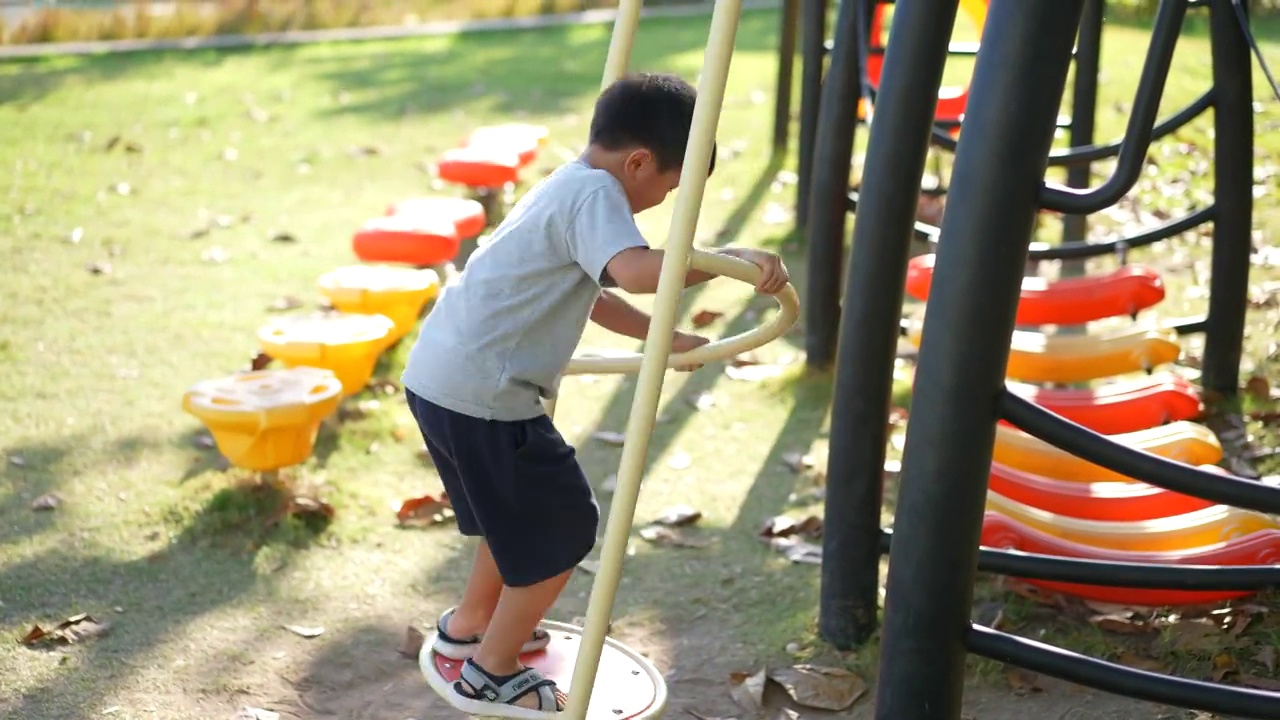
point(1260, 548)
point(1120, 407)
point(479, 166)
point(407, 240)
point(623, 689)
point(1112, 501)
point(466, 215)
point(1070, 301)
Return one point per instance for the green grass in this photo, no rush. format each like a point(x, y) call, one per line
point(94, 365)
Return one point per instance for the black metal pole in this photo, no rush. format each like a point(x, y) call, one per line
point(1233, 191)
point(828, 194)
point(1084, 107)
point(786, 69)
point(896, 155)
point(813, 35)
point(1017, 87)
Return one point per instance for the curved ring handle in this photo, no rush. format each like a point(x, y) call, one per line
point(716, 264)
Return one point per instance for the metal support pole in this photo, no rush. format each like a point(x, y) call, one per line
point(828, 203)
point(896, 154)
point(625, 26)
point(786, 70)
point(1018, 84)
point(666, 305)
point(1233, 191)
point(1084, 107)
point(813, 35)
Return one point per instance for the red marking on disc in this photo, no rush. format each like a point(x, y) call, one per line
point(623, 688)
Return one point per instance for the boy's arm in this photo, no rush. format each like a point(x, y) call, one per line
point(636, 270)
point(617, 315)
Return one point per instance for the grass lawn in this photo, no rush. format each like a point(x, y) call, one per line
point(140, 214)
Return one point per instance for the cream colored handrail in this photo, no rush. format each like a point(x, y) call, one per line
point(724, 266)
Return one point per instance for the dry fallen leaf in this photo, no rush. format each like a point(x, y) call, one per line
point(1223, 665)
point(679, 515)
point(1261, 683)
point(17, 461)
point(1138, 662)
point(797, 550)
point(412, 643)
point(48, 501)
point(797, 461)
point(1267, 657)
point(784, 526)
point(1122, 623)
point(609, 437)
point(260, 361)
point(304, 631)
point(702, 401)
point(703, 318)
point(748, 690)
point(1195, 635)
point(426, 510)
point(823, 688)
point(69, 631)
point(286, 302)
point(252, 713)
point(1022, 681)
point(669, 537)
point(302, 505)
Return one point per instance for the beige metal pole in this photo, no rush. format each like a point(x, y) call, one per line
point(644, 406)
point(624, 35)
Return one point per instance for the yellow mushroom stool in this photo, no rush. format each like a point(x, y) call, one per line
point(1199, 528)
point(267, 419)
point(346, 343)
point(397, 292)
point(1182, 441)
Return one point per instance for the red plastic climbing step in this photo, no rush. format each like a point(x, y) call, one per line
point(407, 239)
point(466, 215)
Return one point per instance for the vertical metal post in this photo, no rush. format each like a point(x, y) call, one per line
point(1084, 107)
point(896, 154)
point(813, 35)
point(625, 26)
point(1018, 84)
point(829, 192)
point(786, 70)
point(1233, 195)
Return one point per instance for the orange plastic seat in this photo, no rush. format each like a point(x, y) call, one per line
point(524, 140)
point(408, 239)
point(467, 216)
point(480, 166)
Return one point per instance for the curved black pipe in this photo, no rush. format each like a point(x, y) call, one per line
point(1142, 120)
point(1132, 462)
point(1093, 153)
point(1121, 680)
point(1150, 576)
point(1041, 251)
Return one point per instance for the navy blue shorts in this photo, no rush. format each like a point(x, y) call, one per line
point(516, 484)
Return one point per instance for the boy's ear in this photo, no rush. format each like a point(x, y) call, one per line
point(639, 160)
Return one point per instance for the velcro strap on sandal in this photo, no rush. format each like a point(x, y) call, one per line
point(507, 690)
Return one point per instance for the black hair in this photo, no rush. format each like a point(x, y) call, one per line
point(649, 110)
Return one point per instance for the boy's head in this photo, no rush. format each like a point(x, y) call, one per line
point(643, 122)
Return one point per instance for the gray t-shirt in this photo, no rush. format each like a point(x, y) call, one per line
point(499, 339)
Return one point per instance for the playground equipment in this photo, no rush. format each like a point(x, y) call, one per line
point(960, 385)
point(397, 293)
point(1119, 406)
point(348, 344)
point(1098, 500)
point(466, 215)
point(265, 420)
point(602, 669)
point(1182, 441)
point(489, 162)
point(1069, 301)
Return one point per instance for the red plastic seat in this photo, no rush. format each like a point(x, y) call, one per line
point(480, 166)
point(407, 239)
point(524, 140)
point(466, 215)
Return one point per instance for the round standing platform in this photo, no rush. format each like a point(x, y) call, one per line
point(627, 686)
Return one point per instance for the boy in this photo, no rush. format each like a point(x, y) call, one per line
point(497, 342)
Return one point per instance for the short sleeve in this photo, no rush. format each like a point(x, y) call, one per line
point(602, 227)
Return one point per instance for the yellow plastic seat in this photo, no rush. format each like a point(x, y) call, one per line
point(268, 419)
point(1037, 357)
point(346, 343)
point(1184, 441)
point(1211, 525)
point(397, 292)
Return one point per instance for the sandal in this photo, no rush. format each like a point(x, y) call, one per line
point(490, 689)
point(463, 648)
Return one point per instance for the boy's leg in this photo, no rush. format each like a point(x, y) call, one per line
point(480, 599)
